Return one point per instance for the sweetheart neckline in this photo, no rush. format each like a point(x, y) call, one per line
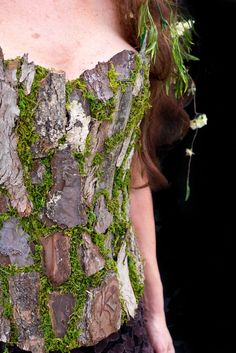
point(53, 70)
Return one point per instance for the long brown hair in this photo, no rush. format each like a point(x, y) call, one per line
point(166, 121)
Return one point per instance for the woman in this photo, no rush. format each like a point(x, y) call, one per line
point(73, 36)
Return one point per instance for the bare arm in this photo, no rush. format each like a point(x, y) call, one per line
point(143, 222)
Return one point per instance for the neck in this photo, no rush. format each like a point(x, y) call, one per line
point(51, 10)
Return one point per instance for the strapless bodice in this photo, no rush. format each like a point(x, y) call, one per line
point(70, 269)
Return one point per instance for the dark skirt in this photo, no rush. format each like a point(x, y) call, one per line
point(131, 338)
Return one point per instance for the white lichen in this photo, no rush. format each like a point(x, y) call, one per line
point(126, 290)
point(129, 159)
point(138, 84)
point(78, 128)
point(27, 74)
point(52, 202)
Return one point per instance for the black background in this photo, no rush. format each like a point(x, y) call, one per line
point(195, 238)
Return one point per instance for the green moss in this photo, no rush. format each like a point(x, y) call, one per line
point(114, 140)
point(46, 326)
point(98, 159)
point(25, 130)
point(38, 192)
point(80, 158)
point(70, 86)
point(91, 217)
point(5, 303)
point(87, 147)
point(124, 316)
point(3, 191)
point(4, 294)
point(113, 76)
point(14, 335)
point(137, 285)
point(33, 226)
point(115, 84)
point(3, 218)
point(103, 192)
point(103, 111)
point(137, 68)
point(140, 104)
point(5, 348)
point(62, 140)
point(6, 215)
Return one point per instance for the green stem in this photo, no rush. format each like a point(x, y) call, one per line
point(189, 168)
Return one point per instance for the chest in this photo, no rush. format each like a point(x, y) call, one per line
point(72, 41)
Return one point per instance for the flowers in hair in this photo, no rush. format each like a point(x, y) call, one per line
point(182, 26)
point(198, 122)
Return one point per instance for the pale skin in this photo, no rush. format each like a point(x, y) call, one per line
point(73, 35)
point(142, 216)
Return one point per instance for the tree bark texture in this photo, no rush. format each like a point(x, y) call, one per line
point(70, 270)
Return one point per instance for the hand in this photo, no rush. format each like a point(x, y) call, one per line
point(159, 335)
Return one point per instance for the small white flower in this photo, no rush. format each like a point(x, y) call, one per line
point(183, 26)
point(198, 122)
point(189, 152)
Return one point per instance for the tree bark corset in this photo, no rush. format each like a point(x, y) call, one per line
point(70, 270)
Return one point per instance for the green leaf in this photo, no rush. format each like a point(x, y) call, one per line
point(192, 57)
point(147, 25)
